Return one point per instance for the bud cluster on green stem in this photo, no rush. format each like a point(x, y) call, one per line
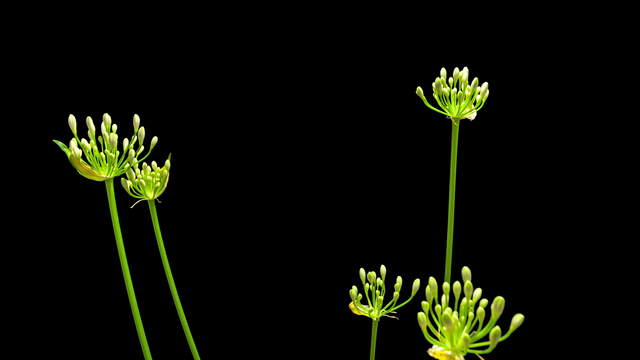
point(456, 97)
point(375, 294)
point(455, 322)
point(148, 183)
point(99, 158)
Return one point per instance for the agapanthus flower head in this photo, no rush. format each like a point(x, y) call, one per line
point(455, 96)
point(99, 158)
point(149, 182)
point(454, 323)
point(375, 292)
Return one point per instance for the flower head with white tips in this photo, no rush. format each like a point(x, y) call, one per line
point(148, 183)
point(455, 325)
point(99, 158)
point(456, 97)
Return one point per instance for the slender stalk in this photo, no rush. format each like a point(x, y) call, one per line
point(172, 284)
point(113, 209)
point(374, 336)
point(455, 128)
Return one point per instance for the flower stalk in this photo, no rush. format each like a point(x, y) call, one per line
point(148, 184)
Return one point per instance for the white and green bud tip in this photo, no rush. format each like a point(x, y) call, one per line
point(149, 182)
point(101, 158)
point(457, 99)
point(374, 290)
point(459, 328)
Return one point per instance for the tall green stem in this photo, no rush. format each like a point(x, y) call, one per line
point(113, 209)
point(455, 128)
point(172, 284)
point(374, 336)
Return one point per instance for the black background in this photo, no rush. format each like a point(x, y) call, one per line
point(301, 153)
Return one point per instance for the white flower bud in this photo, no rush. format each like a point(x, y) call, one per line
point(363, 274)
point(383, 271)
point(466, 274)
point(415, 287)
point(136, 123)
point(106, 119)
point(141, 133)
point(154, 141)
point(72, 124)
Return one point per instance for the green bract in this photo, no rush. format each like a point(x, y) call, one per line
point(102, 159)
point(148, 183)
point(375, 292)
point(457, 98)
point(455, 323)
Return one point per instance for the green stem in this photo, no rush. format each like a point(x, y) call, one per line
point(172, 284)
point(113, 209)
point(374, 336)
point(455, 128)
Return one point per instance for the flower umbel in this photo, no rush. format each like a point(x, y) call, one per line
point(99, 158)
point(456, 97)
point(374, 290)
point(456, 326)
point(148, 183)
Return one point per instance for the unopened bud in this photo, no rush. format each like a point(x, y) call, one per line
point(73, 124)
point(114, 128)
point(125, 144)
point(416, 286)
point(136, 123)
point(371, 276)
point(445, 288)
point(425, 306)
point(383, 272)
point(466, 274)
point(457, 288)
point(443, 73)
point(154, 165)
point(433, 284)
point(494, 336)
point(106, 119)
point(113, 140)
point(477, 294)
point(420, 92)
point(363, 274)
point(497, 307)
point(428, 294)
point(516, 321)
point(154, 141)
point(399, 280)
point(141, 133)
point(468, 289)
point(456, 73)
point(422, 320)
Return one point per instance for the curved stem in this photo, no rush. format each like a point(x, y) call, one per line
point(455, 128)
point(113, 209)
point(374, 336)
point(172, 284)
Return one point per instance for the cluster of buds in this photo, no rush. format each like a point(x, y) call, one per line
point(457, 329)
point(374, 291)
point(148, 183)
point(457, 98)
point(99, 158)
